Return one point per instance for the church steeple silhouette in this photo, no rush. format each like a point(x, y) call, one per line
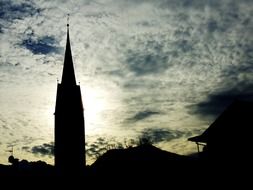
point(69, 120)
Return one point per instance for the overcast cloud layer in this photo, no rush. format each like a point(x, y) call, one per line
point(165, 69)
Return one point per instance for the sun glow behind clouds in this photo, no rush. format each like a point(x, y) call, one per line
point(95, 104)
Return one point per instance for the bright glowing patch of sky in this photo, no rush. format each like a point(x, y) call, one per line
point(164, 69)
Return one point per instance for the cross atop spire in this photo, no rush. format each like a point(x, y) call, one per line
point(68, 21)
point(68, 74)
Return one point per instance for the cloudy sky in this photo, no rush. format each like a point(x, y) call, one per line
point(162, 69)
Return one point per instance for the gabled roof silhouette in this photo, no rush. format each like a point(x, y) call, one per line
point(233, 124)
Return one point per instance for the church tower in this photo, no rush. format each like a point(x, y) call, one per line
point(69, 120)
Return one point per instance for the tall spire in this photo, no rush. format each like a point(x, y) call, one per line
point(68, 74)
point(69, 135)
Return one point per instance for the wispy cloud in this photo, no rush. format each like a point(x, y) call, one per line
point(147, 57)
point(157, 135)
point(46, 149)
point(143, 115)
point(11, 10)
point(43, 45)
point(216, 103)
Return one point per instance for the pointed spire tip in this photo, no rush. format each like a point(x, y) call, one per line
point(68, 20)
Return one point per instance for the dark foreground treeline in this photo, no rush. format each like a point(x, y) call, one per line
point(143, 165)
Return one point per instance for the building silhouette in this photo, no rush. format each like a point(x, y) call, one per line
point(229, 136)
point(69, 120)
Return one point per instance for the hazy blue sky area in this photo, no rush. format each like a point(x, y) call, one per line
point(161, 69)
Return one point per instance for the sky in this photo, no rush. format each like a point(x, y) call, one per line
point(162, 70)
